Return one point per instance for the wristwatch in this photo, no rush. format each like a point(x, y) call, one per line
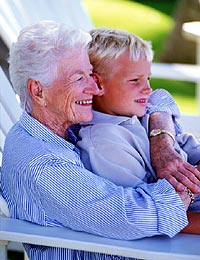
point(158, 131)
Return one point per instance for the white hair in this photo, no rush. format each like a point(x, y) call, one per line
point(37, 52)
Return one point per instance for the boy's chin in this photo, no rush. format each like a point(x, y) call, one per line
point(141, 114)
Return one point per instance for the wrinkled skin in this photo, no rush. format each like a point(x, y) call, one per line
point(167, 162)
point(68, 100)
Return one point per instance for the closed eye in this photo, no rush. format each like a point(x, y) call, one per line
point(134, 80)
point(79, 79)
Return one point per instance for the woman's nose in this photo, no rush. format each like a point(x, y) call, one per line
point(92, 88)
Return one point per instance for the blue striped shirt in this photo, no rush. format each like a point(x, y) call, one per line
point(45, 182)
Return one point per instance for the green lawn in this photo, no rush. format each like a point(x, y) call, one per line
point(152, 20)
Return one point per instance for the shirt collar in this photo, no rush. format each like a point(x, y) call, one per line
point(40, 131)
point(102, 118)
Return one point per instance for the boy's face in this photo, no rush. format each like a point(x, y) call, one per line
point(126, 87)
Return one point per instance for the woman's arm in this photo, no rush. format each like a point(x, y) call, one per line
point(166, 161)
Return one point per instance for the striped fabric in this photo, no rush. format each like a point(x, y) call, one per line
point(45, 182)
point(161, 100)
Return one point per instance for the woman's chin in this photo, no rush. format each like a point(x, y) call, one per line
point(87, 118)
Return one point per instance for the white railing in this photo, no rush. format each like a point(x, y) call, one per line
point(184, 72)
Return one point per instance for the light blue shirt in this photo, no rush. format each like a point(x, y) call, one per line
point(118, 148)
point(45, 182)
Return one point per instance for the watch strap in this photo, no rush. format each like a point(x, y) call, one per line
point(156, 132)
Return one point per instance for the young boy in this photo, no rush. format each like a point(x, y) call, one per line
point(116, 140)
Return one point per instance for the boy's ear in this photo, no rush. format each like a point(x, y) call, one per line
point(98, 79)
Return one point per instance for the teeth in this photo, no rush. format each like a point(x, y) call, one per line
point(141, 100)
point(82, 102)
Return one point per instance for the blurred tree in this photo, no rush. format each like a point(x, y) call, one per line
point(178, 49)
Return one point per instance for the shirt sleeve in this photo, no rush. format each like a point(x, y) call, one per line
point(83, 201)
point(161, 101)
point(191, 146)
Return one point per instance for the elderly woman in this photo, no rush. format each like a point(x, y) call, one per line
point(43, 178)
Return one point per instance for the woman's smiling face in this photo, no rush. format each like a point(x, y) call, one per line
point(69, 98)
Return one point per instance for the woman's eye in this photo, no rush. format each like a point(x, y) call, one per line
point(134, 80)
point(79, 79)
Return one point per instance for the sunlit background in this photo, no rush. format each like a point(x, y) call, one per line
point(152, 20)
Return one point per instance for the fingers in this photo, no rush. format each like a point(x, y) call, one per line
point(194, 171)
point(185, 198)
point(181, 175)
point(178, 186)
point(190, 177)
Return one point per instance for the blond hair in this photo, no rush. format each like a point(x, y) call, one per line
point(109, 44)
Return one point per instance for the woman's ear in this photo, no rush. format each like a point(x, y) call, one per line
point(98, 79)
point(35, 90)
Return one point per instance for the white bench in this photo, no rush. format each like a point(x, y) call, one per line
point(182, 246)
point(14, 15)
point(9, 107)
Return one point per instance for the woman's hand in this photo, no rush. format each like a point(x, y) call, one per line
point(168, 164)
point(185, 197)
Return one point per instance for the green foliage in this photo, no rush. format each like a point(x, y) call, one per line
point(146, 21)
point(153, 21)
point(183, 92)
point(165, 6)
